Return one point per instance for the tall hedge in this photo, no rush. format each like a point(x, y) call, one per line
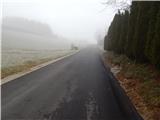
point(136, 32)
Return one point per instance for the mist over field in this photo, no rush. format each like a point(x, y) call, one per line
point(36, 30)
point(21, 33)
point(27, 43)
point(80, 59)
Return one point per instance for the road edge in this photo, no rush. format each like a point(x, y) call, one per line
point(20, 74)
point(122, 99)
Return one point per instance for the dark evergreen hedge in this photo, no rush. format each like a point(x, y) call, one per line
point(136, 33)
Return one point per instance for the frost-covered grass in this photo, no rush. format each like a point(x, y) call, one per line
point(18, 60)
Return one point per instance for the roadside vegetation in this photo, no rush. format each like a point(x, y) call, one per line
point(132, 46)
point(141, 82)
point(15, 61)
point(22, 67)
point(28, 43)
point(136, 32)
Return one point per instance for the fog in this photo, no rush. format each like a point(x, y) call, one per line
point(74, 21)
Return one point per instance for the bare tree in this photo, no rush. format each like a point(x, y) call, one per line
point(119, 5)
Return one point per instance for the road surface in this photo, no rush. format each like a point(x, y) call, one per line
point(75, 88)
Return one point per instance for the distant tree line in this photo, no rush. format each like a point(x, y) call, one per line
point(26, 25)
point(136, 32)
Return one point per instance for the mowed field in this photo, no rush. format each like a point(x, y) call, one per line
point(23, 49)
point(14, 57)
point(19, 60)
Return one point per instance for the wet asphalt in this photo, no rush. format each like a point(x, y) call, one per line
point(75, 88)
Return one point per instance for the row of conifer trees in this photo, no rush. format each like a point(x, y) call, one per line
point(136, 32)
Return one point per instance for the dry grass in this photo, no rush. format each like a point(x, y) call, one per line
point(141, 83)
point(21, 60)
point(23, 67)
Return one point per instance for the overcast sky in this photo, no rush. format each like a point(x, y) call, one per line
point(74, 19)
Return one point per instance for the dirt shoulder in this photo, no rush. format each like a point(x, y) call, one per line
point(141, 83)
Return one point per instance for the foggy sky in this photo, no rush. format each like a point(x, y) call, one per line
point(81, 20)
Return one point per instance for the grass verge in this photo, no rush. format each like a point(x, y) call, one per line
point(141, 83)
point(23, 67)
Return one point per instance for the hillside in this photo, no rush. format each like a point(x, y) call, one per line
point(25, 25)
point(20, 33)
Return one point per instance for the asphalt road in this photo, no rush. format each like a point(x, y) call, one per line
point(75, 88)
